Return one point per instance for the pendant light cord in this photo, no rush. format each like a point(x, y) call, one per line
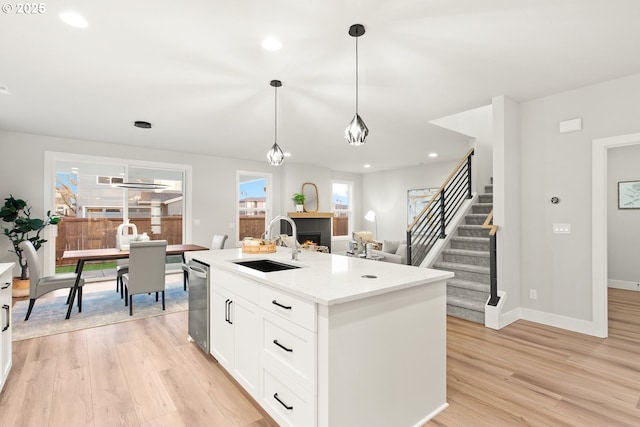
point(275, 116)
point(356, 75)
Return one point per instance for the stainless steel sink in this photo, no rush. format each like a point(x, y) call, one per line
point(265, 265)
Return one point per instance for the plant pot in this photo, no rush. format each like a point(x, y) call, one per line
point(20, 288)
point(299, 208)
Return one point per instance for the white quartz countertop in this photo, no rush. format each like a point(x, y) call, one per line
point(326, 279)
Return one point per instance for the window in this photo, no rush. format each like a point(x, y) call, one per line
point(91, 203)
point(253, 204)
point(341, 206)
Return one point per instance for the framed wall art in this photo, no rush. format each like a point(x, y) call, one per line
point(629, 195)
point(417, 199)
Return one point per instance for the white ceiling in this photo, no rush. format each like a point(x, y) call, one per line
point(197, 72)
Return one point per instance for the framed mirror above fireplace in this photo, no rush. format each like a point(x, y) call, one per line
point(310, 191)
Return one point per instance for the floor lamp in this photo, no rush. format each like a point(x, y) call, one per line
point(371, 216)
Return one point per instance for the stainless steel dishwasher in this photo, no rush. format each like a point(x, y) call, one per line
point(199, 303)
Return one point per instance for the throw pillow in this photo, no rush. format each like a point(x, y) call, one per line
point(390, 246)
point(402, 251)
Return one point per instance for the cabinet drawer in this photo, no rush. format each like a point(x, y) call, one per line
point(245, 288)
point(286, 402)
point(297, 310)
point(290, 347)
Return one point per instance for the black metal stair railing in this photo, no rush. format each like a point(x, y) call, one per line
point(493, 251)
point(431, 223)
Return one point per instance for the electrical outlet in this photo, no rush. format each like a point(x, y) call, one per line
point(533, 294)
point(562, 228)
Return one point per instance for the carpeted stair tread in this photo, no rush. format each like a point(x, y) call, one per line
point(467, 303)
point(468, 284)
point(478, 239)
point(471, 226)
point(462, 267)
point(476, 218)
point(467, 252)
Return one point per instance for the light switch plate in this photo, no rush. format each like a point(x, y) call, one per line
point(562, 228)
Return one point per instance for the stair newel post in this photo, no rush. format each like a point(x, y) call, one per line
point(443, 224)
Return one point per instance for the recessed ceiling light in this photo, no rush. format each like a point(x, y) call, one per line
point(367, 166)
point(433, 155)
point(271, 44)
point(287, 154)
point(4, 90)
point(74, 19)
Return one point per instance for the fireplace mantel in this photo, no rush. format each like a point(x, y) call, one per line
point(310, 214)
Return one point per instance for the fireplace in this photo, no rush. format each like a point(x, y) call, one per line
point(314, 227)
point(312, 239)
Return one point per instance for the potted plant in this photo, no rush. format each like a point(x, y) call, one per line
point(298, 198)
point(22, 227)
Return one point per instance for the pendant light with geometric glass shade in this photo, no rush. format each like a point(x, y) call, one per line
point(356, 133)
point(275, 154)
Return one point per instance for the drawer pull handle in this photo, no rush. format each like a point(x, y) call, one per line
point(6, 307)
point(286, 307)
point(290, 350)
point(288, 408)
point(6, 285)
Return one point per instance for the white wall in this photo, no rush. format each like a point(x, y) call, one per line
point(559, 266)
point(507, 197)
point(214, 179)
point(294, 175)
point(386, 193)
point(623, 225)
point(477, 124)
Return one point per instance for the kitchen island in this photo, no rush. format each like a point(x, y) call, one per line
point(337, 341)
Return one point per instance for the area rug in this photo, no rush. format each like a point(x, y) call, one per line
point(98, 309)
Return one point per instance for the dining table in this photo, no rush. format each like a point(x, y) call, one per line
point(106, 254)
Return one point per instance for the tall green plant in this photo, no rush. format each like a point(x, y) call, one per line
point(18, 214)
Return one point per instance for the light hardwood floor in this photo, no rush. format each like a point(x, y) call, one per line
point(144, 373)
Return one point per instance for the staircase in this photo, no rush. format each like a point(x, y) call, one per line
point(468, 257)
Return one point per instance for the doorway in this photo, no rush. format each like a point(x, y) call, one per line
point(599, 247)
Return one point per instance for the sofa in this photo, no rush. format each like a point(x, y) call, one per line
point(359, 239)
point(393, 251)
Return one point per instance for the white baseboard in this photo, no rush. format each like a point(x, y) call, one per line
point(431, 415)
point(569, 323)
point(621, 284)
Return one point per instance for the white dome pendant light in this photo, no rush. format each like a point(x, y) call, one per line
point(275, 154)
point(356, 133)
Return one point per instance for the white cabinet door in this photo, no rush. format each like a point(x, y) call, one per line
point(221, 339)
point(246, 323)
point(235, 343)
point(5, 326)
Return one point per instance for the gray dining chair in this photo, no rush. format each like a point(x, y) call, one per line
point(40, 285)
point(122, 267)
point(217, 242)
point(146, 271)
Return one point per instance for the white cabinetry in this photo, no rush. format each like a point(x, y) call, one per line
point(288, 356)
point(338, 342)
point(234, 328)
point(5, 321)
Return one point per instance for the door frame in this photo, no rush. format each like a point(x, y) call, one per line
point(599, 249)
